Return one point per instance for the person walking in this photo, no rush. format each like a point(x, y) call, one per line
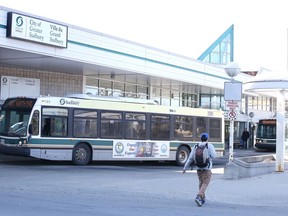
point(245, 136)
point(204, 173)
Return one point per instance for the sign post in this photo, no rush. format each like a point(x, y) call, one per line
point(232, 94)
point(232, 116)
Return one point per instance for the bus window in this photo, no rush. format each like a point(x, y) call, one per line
point(35, 123)
point(111, 125)
point(59, 126)
point(215, 129)
point(85, 123)
point(160, 127)
point(15, 113)
point(54, 121)
point(183, 128)
point(135, 126)
point(46, 131)
point(201, 124)
point(17, 124)
point(2, 121)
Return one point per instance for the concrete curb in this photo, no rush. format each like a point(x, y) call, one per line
point(246, 167)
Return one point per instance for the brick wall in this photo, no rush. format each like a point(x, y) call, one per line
point(51, 83)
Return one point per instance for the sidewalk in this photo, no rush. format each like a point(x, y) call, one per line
point(264, 190)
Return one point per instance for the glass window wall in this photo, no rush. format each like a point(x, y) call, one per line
point(165, 93)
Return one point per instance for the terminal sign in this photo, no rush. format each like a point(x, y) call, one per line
point(19, 86)
point(37, 30)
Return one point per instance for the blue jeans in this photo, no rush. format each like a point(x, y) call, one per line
point(244, 143)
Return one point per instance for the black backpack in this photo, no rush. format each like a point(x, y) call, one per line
point(201, 156)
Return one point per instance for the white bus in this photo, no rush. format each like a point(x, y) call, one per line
point(86, 129)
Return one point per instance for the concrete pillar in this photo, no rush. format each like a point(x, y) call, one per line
point(280, 135)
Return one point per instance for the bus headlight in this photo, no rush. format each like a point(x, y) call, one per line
point(20, 143)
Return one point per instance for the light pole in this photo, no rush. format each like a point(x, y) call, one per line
point(232, 94)
point(251, 128)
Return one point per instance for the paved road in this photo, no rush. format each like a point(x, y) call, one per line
point(35, 187)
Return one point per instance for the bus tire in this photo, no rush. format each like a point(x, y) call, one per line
point(81, 154)
point(182, 155)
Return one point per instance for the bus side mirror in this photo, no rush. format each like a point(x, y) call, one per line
point(30, 131)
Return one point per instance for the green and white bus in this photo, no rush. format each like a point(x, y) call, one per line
point(82, 129)
point(266, 134)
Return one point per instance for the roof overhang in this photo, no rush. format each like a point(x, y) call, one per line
point(267, 84)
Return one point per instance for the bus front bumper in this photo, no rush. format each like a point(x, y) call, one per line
point(14, 150)
point(265, 146)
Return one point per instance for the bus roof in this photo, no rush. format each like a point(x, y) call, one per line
point(112, 98)
point(119, 105)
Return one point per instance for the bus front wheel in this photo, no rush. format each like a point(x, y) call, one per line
point(182, 155)
point(81, 154)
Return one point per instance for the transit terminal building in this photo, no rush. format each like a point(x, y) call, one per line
point(40, 56)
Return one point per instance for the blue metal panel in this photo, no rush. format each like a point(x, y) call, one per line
point(220, 47)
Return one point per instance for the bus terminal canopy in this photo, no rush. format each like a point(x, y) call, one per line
point(277, 86)
point(265, 83)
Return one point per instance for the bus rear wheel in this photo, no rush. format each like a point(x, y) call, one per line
point(182, 155)
point(81, 154)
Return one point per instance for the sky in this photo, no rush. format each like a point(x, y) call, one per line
point(185, 27)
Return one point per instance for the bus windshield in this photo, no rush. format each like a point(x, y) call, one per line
point(14, 116)
point(266, 131)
